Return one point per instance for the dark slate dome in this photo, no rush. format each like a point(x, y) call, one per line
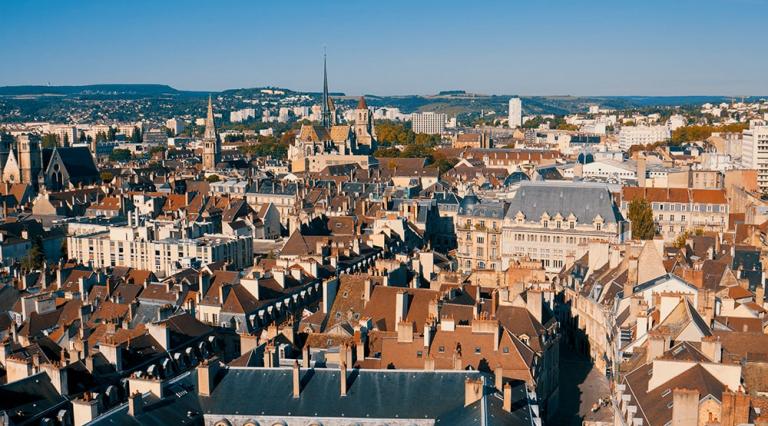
point(469, 200)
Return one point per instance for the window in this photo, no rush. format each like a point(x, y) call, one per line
point(682, 218)
point(599, 226)
point(418, 354)
point(480, 252)
point(477, 349)
point(546, 224)
point(480, 240)
point(572, 225)
point(441, 349)
point(506, 349)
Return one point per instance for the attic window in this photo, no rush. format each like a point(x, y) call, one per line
point(338, 315)
point(418, 354)
point(441, 349)
point(345, 294)
point(666, 392)
point(670, 404)
point(477, 349)
point(506, 349)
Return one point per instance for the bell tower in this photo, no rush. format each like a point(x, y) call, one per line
point(30, 158)
point(211, 142)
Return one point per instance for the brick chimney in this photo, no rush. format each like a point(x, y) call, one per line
point(735, 408)
point(405, 332)
point(343, 377)
point(296, 379)
point(507, 402)
point(206, 376)
point(135, 404)
point(712, 348)
point(534, 304)
point(658, 343)
point(305, 356)
point(631, 282)
point(685, 407)
point(473, 391)
point(401, 307)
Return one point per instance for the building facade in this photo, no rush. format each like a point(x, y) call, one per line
point(431, 123)
point(550, 221)
point(515, 113)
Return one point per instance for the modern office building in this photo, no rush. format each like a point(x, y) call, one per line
point(431, 123)
point(515, 113)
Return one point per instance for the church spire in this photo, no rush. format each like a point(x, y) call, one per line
point(326, 110)
point(210, 125)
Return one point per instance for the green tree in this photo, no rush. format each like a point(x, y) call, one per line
point(136, 135)
point(213, 178)
point(107, 176)
point(120, 155)
point(35, 256)
point(50, 140)
point(641, 216)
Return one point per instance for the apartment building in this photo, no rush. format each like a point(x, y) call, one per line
point(676, 210)
point(431, 123)
point(550, 221)
point(641, 135)
point(755, 153)
point(478, 234)
point(515, 113)
point(143, 247)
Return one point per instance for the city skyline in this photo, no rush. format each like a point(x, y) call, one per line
point(651, 49)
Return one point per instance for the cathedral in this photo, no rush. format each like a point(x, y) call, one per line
point(333, 142)
point(55, 169)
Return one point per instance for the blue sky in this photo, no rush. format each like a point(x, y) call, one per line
point(543, 47)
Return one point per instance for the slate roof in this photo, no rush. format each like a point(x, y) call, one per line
point(584, 200)
point(374, 394)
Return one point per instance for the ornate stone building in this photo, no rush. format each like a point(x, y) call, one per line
point(211, 141)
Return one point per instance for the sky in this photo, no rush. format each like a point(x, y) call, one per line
point(392, 47)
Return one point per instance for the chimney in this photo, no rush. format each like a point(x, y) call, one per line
point(712, 348)
point(534, 303)
point(343, 377)
point(507, 404)
point(401, 307)
point(760, 295)
point(204, 281)
point(685, 407)
point(631, 282)
point(427, 334)
point(429, 363)
point(296, 379)
point(473, 391)
point(135, 404)
point(658, 343)
point(85, 409)
point(404, 332)
point(498, 375)
point(206, 376)
point(641, 171)
point(735, 408)
point(305, 356)
point(368, 288)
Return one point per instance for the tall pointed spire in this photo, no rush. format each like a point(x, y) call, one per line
point(210, 125)
point(326, 110)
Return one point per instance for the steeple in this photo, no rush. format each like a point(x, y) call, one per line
point(210, 125)
point(211, 143)
point(326, 111)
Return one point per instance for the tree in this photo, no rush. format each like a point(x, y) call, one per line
point(35, 257)
point(120, 155)
point(107, 177)
point(641, 216)
point(213, 178)
point(50, 140)
point(136, 135)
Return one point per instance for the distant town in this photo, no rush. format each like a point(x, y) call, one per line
point(271, 257)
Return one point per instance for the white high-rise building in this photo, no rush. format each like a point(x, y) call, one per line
point(641, 135)
point(431, 123)
point(754, 154)
point(515, 113)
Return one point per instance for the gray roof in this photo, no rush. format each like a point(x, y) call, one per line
point(584, 200)
point(376, 394)
point(488, 209)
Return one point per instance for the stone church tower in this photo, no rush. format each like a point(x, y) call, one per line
point(365, 133)
point(30, 158)
point(211, 141)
